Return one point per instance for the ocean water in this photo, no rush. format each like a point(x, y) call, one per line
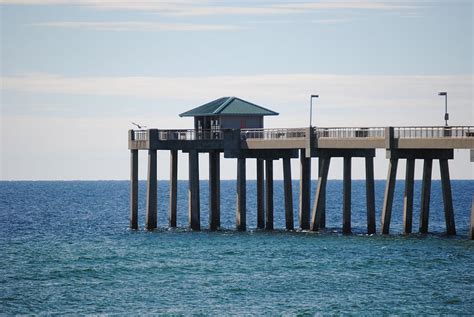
point(66, 249)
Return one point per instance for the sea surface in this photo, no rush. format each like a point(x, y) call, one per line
point(66, 249)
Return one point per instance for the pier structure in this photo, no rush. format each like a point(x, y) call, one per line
point(239, 141)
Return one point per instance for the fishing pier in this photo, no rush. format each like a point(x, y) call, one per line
point(234, 127)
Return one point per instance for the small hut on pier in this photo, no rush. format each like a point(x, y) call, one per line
point(228, 113)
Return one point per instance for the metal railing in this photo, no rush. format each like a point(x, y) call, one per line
point(268, 134)
point(190, 135)
point(140, 135)
point(433, 132)
point(349, 132)
point(300, 133)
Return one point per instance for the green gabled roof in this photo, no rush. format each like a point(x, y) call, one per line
point(229, 106)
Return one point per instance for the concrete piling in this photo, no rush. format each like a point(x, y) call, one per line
point(370, 194)
point(471, 231)
point(214, 190)
point(260, 195)
point(288, 194)
point(408, 196)
point(388, 197)
point(425, 195)
point(322, 217)
point(305, 190)
point(193, 191)
point(241, 195)
point(151, 192)
point(346, 205)
point(322, 180)
point(173, 188)
point(134, 189)
point(447, 197)
point(269, 194)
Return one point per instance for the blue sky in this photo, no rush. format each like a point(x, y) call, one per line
point(75, 73)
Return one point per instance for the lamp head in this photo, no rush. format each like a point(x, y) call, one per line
point(443, 93)
point(314, 96)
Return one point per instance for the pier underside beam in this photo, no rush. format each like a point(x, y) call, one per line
point(370, 194)
point(151, 192)
point(388, 198)
point(193, 191)
point(288, 194)
point(346, 205)
point(173, 188)
point(425, 195)
point(260, 195)
point(241, 195)
point(447, 197)
point(408, 196)
point(134, 189)
point(305, 190)
point(214, 191)
point(269, 194)
point(322, 180)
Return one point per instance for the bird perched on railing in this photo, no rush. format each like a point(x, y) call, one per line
point(138, 125)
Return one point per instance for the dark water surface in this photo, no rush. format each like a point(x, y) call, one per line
point(66, 248)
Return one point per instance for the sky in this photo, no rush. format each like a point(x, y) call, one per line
point(75, 74)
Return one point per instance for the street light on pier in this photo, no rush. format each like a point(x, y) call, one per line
point(311, 109)
point(446, 115)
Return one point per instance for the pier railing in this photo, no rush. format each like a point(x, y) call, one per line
point(140, 135)
point(433, 132)
point(344, 133)
point(267, 134)
point(190, 134)
point(319, 132)
point(361, 132)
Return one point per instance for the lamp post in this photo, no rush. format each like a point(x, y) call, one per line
point(446, 115)
point(311, 109)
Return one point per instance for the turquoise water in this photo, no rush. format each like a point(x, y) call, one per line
point(66, 248)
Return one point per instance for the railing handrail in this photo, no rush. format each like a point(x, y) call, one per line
point(403, 132)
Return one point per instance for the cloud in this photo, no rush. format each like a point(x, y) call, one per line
point(333, 21)
point(140, 26)
point(382, 99)
point(208, 8)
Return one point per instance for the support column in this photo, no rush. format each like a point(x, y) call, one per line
point(214, 191)
point(151, 192)
point(370, 194)
point(269, 194)
point(388, 197)
point(193, 191)
point(288, 194)
point(408, 197)
point(134, 189)
point(305, 190)
point(322, 217)
point(346, 205)
point(260, 195)
point(471, 231)
point(241, 195)
point(322, 180)
point(447, 197)
point(173, 188)
point(425, 195)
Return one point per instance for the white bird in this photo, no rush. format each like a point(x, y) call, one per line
point(139, 126)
